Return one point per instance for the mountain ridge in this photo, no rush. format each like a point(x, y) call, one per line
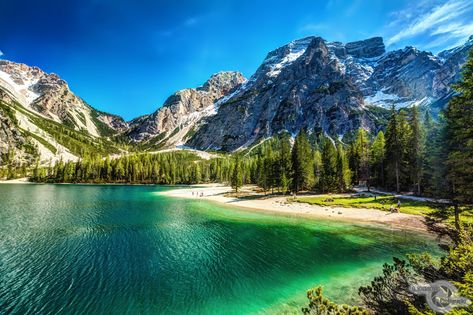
point(326, 87)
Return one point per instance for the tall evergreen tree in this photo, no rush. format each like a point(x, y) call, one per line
point(378, 156)
point(415, 150)
point(329, 180)
point(361, 157)
point(236, 180)
point(405, 133)
point(459, 133)
point(284, 163)
point(302, 172)
point(318, 170)
point(343, 170)
point(394, 150)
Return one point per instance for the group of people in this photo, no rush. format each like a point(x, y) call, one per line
point(198, 195)
point(392, 209)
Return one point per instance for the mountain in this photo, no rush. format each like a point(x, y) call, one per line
point(329, 87)
point(50, 96)
point(325, 87)
point(182, 112)
point(41, 117)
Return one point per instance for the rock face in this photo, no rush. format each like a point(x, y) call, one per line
point(368, 48)
point(13, 145)
point(325, 87)
point(50, 96)
point(328, 87)
point(183, 110)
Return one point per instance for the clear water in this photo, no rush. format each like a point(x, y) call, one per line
point(71, 249)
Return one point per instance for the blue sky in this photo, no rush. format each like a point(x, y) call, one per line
point(126, 57)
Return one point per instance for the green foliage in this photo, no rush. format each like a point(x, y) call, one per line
point(301, 163)
point(380, 203)
point(320, 305)
point(103, 128)
point(237, 178)
point(415, 150)
point(78, 142)
point(378, 160)
point(48, 145)
point(329, 181)
point(389, 293)
point(343, 170)
point(360, 157)
point(459, 138)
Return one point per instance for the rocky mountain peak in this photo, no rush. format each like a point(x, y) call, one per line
point(184, 109)
point(368, 48)
point(223, 82)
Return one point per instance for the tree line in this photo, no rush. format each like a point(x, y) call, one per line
point(415, 152)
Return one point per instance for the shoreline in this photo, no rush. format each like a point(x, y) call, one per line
point(278, 205)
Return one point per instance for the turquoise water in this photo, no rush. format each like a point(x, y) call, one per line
point(78, 249)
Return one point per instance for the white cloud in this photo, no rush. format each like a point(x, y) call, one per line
point(1, 53)
point(446, 21)
point(313, 28)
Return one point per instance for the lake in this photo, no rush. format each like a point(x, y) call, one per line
point(110, 249)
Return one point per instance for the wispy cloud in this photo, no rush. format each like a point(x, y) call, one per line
point(313, 28)
point(441, 22)
point(188, 23)
point(1, 53)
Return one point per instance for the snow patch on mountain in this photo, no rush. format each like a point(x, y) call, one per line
point(291, 52)
point(22, 92)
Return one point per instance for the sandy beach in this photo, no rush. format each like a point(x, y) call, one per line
point(280, 205)
point(23, 180)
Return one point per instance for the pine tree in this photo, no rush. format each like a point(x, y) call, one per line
point(318, 170)
point(394, 150)
point(343, 170)
point(361, 157)
point(236, 180)
point(329, 180)
point(405, 133)
point(459, 136)
point(378, 156)
point(434, 169)
point(415, 150)
point(284, 164)
point(302, 172)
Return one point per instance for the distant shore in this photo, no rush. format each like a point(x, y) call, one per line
point(23, 180)
point(281, 205)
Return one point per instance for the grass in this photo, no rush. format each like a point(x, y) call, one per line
point(384, 203)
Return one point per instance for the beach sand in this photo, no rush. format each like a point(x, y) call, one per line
point(281, 205)
point(23, 180)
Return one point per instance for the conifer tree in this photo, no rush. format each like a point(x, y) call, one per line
point(329, 180)
point(361, 157)
point(318, 170)
point(415, 150)
point(459, 136)
point(236, 180)
point(284, 164)
point(343, 170)
point(302, 172)
point(378, 156)
point(394, 150)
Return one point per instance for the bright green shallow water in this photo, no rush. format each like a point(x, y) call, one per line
point(69, 249)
